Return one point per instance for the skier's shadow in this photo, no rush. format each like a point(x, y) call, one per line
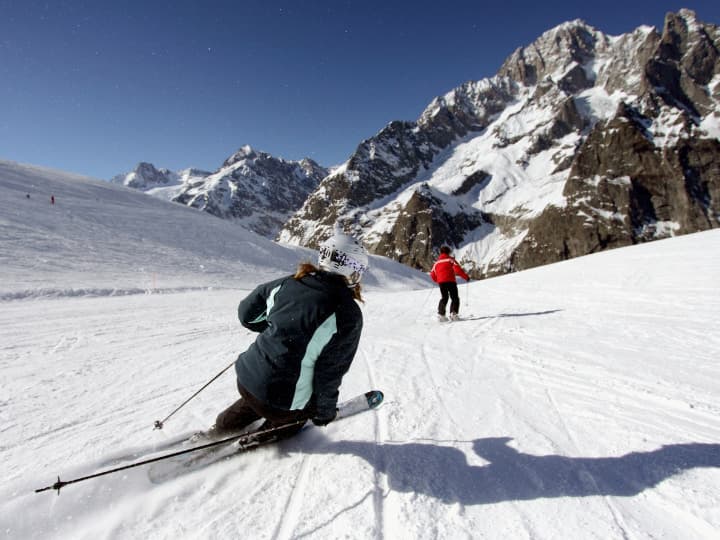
point(443, 472)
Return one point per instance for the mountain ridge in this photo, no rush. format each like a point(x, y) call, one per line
point(581, 142)
point(253, 188)
point(521, 169)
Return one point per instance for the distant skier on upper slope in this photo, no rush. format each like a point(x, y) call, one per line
point(309, 327)
point(443, 273)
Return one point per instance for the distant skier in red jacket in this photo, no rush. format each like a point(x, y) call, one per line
point(443, 273)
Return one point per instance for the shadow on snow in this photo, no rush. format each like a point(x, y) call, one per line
point(443, 472)
point(504, 315)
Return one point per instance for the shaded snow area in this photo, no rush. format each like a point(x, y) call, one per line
point(576, 400)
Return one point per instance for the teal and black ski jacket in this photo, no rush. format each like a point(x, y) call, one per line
point(309, 330)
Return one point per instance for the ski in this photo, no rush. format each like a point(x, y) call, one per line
point(225, 448)
point(238, 443)
point(461, 318)
point(363, 402)
point(255, 439)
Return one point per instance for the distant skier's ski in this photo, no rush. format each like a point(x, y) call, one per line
point(250, 441)
point(459, 319)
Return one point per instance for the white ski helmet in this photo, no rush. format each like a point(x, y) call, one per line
point(342, 254)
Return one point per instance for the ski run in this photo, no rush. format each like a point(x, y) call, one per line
point(576, 400)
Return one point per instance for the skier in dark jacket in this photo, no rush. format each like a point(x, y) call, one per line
point(309, 328)
point(443, 273)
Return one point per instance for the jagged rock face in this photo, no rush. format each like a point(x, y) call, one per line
point(582, 142)
point(622, 190)
point(388, 162)
point(146, 176)
point(256, 189)
point(566, 48)
point(466, 109)
point(686, 63)
point(419, 220)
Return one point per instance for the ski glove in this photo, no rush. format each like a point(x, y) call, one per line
point(324, 420)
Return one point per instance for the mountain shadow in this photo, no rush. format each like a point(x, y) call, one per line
point(443, 472)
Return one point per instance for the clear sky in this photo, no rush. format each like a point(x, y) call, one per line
point(95, 86)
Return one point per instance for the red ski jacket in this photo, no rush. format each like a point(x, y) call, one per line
point(445, 269)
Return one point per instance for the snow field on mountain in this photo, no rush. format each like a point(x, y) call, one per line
point(576, 400)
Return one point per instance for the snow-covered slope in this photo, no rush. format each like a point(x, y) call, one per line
point(577, 400)
point(100, 238)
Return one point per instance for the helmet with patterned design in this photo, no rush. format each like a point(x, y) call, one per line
point(342, 254)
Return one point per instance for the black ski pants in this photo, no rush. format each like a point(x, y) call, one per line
point(449, 290)
point(248, 409)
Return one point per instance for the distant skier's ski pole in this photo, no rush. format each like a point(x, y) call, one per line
point(159, 423)
point(249, 436)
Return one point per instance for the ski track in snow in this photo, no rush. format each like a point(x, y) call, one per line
point(381, 489)
point(291, 513)
point(587, 475)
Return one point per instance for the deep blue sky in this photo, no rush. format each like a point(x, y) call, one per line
point(96, 86)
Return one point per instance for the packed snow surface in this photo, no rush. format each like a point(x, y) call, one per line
point(576, 400)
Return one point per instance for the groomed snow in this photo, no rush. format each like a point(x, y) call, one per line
point(578, 400)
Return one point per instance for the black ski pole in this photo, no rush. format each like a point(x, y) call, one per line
point(159, 423)
point(249, 436)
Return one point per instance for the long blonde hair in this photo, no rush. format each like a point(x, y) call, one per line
point(307, 268)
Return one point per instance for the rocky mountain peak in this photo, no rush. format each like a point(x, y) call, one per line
point(245, 152)
point(686, 61)
point(256, 189)
point(312, 169)
point(145, 176)
point(567, 46)
point(581, 142)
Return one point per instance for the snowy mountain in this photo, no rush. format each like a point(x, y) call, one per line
point(146, 176)
point(577, 400)
point(162, 183)
point(581, 143)
point(252, 188)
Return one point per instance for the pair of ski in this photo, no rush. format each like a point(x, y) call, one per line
point(444, 319)
point(233, 444)
point(221, 449)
